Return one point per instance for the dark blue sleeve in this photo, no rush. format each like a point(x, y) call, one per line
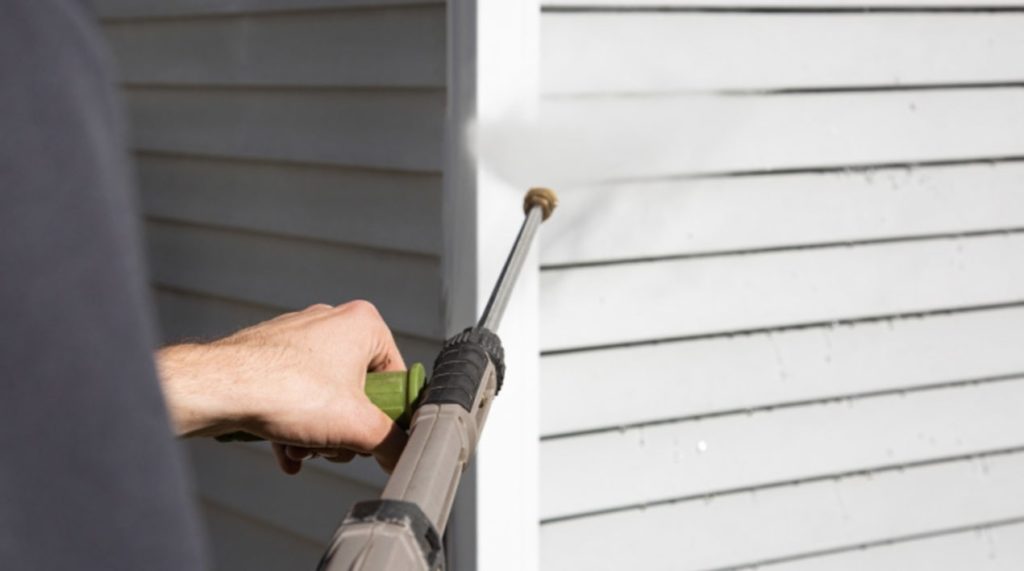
point(91, 477)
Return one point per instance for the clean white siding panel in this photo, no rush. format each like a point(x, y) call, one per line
point(397, 47)
point(647, 464)
point(349, 206)
point(862, 7)
point(383, 129)
point(631, 385)
point(780, 304)
point(647, 301)
point(666, 51)
point(297, 273)
point(608, 139)
point(998, 548)
point(680, 217)
point(747, 528)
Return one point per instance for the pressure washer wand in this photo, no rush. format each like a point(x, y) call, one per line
point(539, 204)
point(403, 529)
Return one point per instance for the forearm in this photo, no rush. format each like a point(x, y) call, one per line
point(198, 381)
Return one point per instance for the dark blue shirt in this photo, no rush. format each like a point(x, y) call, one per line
point(90, 476)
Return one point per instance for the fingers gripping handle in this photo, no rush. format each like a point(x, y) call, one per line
point(394, 392)
point(390, 533)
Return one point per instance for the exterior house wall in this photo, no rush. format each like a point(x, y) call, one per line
point(781, 310)
point(288, 153)
point(780, 306)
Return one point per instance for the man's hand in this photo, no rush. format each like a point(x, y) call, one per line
point(296, 380)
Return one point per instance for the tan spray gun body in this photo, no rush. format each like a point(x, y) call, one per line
point(403, 529)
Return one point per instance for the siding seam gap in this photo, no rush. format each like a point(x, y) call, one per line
point(245, 231)
point(140, 152)
point(283, 87)
point(188, 292)
point(851, 168)
point(907, 538)
point(824, 400)
point(770, 91)
point(866, 10)
point(967, 234)
point(265, 13)
point(833, 323)
point(862, 472)
point(259, 521)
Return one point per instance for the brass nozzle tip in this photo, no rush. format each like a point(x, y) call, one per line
point(544, 198)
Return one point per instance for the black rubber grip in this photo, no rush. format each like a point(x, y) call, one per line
point(405, 514)
point(460, 367)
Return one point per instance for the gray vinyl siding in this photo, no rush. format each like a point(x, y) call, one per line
point(781, 314)
point(288, 153)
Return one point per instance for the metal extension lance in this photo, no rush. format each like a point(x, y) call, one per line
point(403, 529)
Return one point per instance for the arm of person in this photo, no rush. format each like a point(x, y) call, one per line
point(296, 380)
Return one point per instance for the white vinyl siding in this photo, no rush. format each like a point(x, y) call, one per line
point(782, 304)
point(288, 153)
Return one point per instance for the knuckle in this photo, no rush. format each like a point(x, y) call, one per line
point(318, 307)
point(362, 307)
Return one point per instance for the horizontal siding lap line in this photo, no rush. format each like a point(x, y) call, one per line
point(903, 50)
point(824, 169)
point(853, 168)
point(278, 87)
point(701, 215)
point(389, 129)
point(698, 297)
point(818, 516)
point(264, 306)
point(296, 503)
point(326, 49)
point(211, 11)
point(212, 296)
point(256, 520)
point(839, 322)
point(769, 407)
point(813, 90)
point(237, 229)
point(601, 141)
point(859, 472)
point(143, 151)
point(785, 248)
point(270, 161)
point(739, 8)
point(745, 372)
point(733, 453)
point(973, 527)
